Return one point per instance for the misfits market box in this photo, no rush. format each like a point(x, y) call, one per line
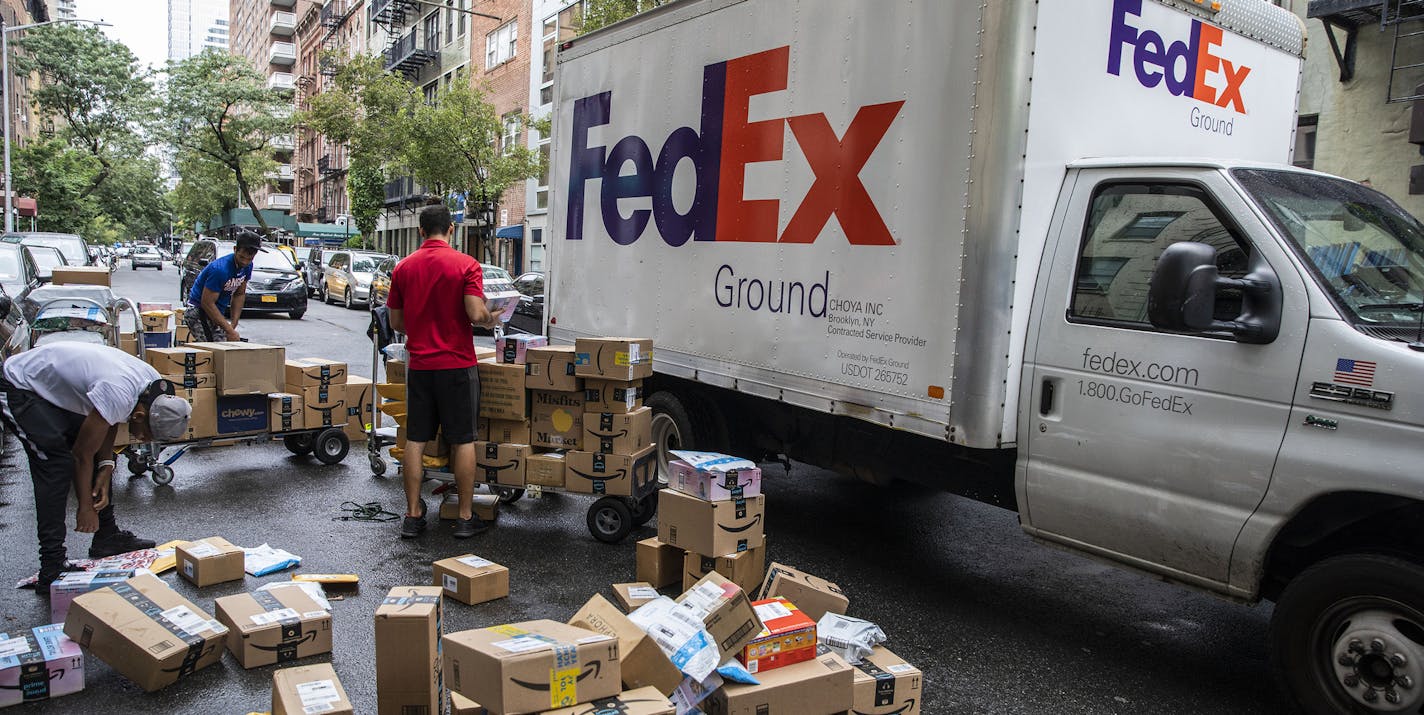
point(471, 579)
point(613, 358)
point(557, 419)
point(209, 561)
point(726, 611)
point(532, 666)
point(658, 563)
point(612, 395)
point(551, 368)
point(787, 636)
point(309, 689)
point(640, 701)
point(502, 464)
point(502, 395)
point(180, 361)
point(38, 665)
point(710, 527)
point(816, 687)
point(744, 568)
point(513, 349)
point(146, 631)
point(643, 662)
point(886, 685)
point(246, 368)
point(285, 412)
point(312, 372)
point(618, 433)
point(615, 474)
point(408, 651)
point(814, 595)
point(278, 625)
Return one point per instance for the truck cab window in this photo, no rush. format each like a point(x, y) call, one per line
point(1128, 227)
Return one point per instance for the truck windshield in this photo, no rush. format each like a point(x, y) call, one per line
point(1366, 249)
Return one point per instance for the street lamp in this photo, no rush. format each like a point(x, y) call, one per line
point(5, 78)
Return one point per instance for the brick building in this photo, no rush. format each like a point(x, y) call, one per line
point(335, 27)
point(263, 31)
point(500, 56)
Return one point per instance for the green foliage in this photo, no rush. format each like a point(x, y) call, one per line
point(456, 145)
point(357, 242)
point(367, 191)
point(602, 13)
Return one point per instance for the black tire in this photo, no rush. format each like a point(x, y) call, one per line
point(346, 299)
point(299, 444)
point(509, 495)
point(644, 509)
point(297, 314)
point(1343, 620)
point(331, 445)
point(610, 520)
point(162, 475)
point(683, 421)
point(132, 266)
point(160, 266)
point(137, 466)
point(325, 295)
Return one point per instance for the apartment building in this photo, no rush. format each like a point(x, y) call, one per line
point(558, 21)
point(195, 26)
point(263, 32)
point(61, 9)
point(326, 32)
point(24, 123)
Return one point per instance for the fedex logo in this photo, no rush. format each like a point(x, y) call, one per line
point(1182, 65)
point(720, 150)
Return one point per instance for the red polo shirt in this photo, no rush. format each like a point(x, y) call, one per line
point(429, 288)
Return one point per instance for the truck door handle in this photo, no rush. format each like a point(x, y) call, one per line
point(1045, 400)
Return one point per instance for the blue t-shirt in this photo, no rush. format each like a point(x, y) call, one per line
point(221, 277)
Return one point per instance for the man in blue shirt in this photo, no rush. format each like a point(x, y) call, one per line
point(215, 301)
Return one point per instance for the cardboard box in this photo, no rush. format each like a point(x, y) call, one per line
point(324, 406)
point(557, 419)
point(285, 412)
point(81, 275)
point(820, 686)
point(884, 684)
point(156, 321)
point(532, 666)
point(640, 701)
point(629, 596)
point(204, 420)
point(157, 340)
point(485, 354)
point(710, 527)
point(72, 584)
point(181, 333)
point(242, 415)
point(302, 373)
point(787, 637)
point(613, 358)
point(359, 411)
point(128, 342)
point(502, 395)
point(618, 433)
point(728, 613)
point(145, 631)
point(485, 506)
point(208, 561)
point(179, 361)
point(395, 372)
point(511, 431)
point(643, 662)
point(408, 675)
point(512, 349)
point(246, 368)
point(40, 664)
point(711, 485)
point(551, 368)
point(461, 705)
point(392, 395)
point(275, 626)
point(545, 470)
point(471, 579)
point(502, 464)
point(309, 689)
point(744, 568)
point(615, 474)
point(814, 595)
point(202, 380)
point(658, 563)
point(612, 395)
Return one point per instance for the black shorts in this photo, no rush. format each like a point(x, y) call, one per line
point(447, 400)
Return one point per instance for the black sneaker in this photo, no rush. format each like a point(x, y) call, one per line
point(119, 542)
point(413, 526)
point(465, 528)
point(49, 576)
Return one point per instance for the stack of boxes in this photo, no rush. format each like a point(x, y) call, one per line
point(715, 513)
point(322, 393)
point(616, 454)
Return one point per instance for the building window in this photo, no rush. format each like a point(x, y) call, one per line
point(511, 132)
point(541, 194)
point(500, 44)
point(432, 31)
point(1305, 140)
point(432, 92)
point(461, 20)
point(563, 26)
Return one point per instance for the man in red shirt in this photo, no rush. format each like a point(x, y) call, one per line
point(436, 297)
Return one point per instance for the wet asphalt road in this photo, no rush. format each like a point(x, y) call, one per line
point(997, 624)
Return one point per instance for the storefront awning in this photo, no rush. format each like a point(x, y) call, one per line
point(515, 231)
point(325, 231)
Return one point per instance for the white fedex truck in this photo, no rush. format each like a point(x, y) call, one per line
point(932, 240)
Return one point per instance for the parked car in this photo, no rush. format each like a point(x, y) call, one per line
point(529, 314)
point(46, 259)
point(313, 271)
point(276, 285)
point(75, 250)
point(18, 273)
point(381, 281)
point(146, 257)
point(347, 276)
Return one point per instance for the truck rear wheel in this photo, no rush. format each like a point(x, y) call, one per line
point(683, 421)
point(1348, 636)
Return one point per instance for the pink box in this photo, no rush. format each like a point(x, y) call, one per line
point(72, 584)
point(39, 665)
point(511, 348)
point(714, 486)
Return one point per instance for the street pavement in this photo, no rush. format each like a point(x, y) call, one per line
point(997, 623)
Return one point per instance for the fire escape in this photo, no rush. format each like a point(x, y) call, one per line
point(1400, 18)
point(412, 51)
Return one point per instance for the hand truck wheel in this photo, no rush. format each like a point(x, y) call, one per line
point(610, 520)
point(331, 445)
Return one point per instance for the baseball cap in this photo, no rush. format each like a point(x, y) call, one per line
point(168, 417)
point(248, 239)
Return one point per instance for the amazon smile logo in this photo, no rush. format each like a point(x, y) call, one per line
point(909, 705)
point(738, 529)
point(593, 670)
point(597, 477)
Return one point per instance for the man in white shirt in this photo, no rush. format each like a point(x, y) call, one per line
point(65, 401)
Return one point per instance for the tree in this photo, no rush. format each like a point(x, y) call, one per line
point(223, 120)
point(602, 13)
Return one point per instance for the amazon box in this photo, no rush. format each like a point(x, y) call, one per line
point(727, 613)
point(324, 406)
point(513, 349)
point(744, 568)
point(145, 631)
point(532, 667)
point(209, 561)
point(461, 705)
point(613, 358)
point(285, 411)
point(471, 579)
point(39, 664)
point(408, 676)
point(511, 431)
point(640, 701)
point(242, 415)
point(551, 368)
point(180, 361)
point(612, 396)
point(632, 595)
point(313, 372)
point(181, 332)
point(359, 413)
point(658, 563)
point(618, 433)
point(710, 527)
point(615, 474)
point(395, 372)
point(714, 485)
point(502, 394)
point(557, 418)
point(246, 368)
point(204, 421)
point(546, 470)
point(787, 637)
point(275, 626)
point(202, 380)
point(485, 506)
point(884, 684)
point(128, 342)
point(820, 686)
point(502, 464)
point(816, 596)
point(643, 662)
point(309, 689)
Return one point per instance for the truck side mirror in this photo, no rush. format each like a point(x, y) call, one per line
point(1182, 295)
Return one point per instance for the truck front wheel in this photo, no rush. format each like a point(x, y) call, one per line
point(1348, 636)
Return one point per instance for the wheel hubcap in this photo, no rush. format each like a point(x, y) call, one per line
point(608, 521)
point(1379, 659)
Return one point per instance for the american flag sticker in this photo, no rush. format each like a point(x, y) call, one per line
point(1355, 372)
